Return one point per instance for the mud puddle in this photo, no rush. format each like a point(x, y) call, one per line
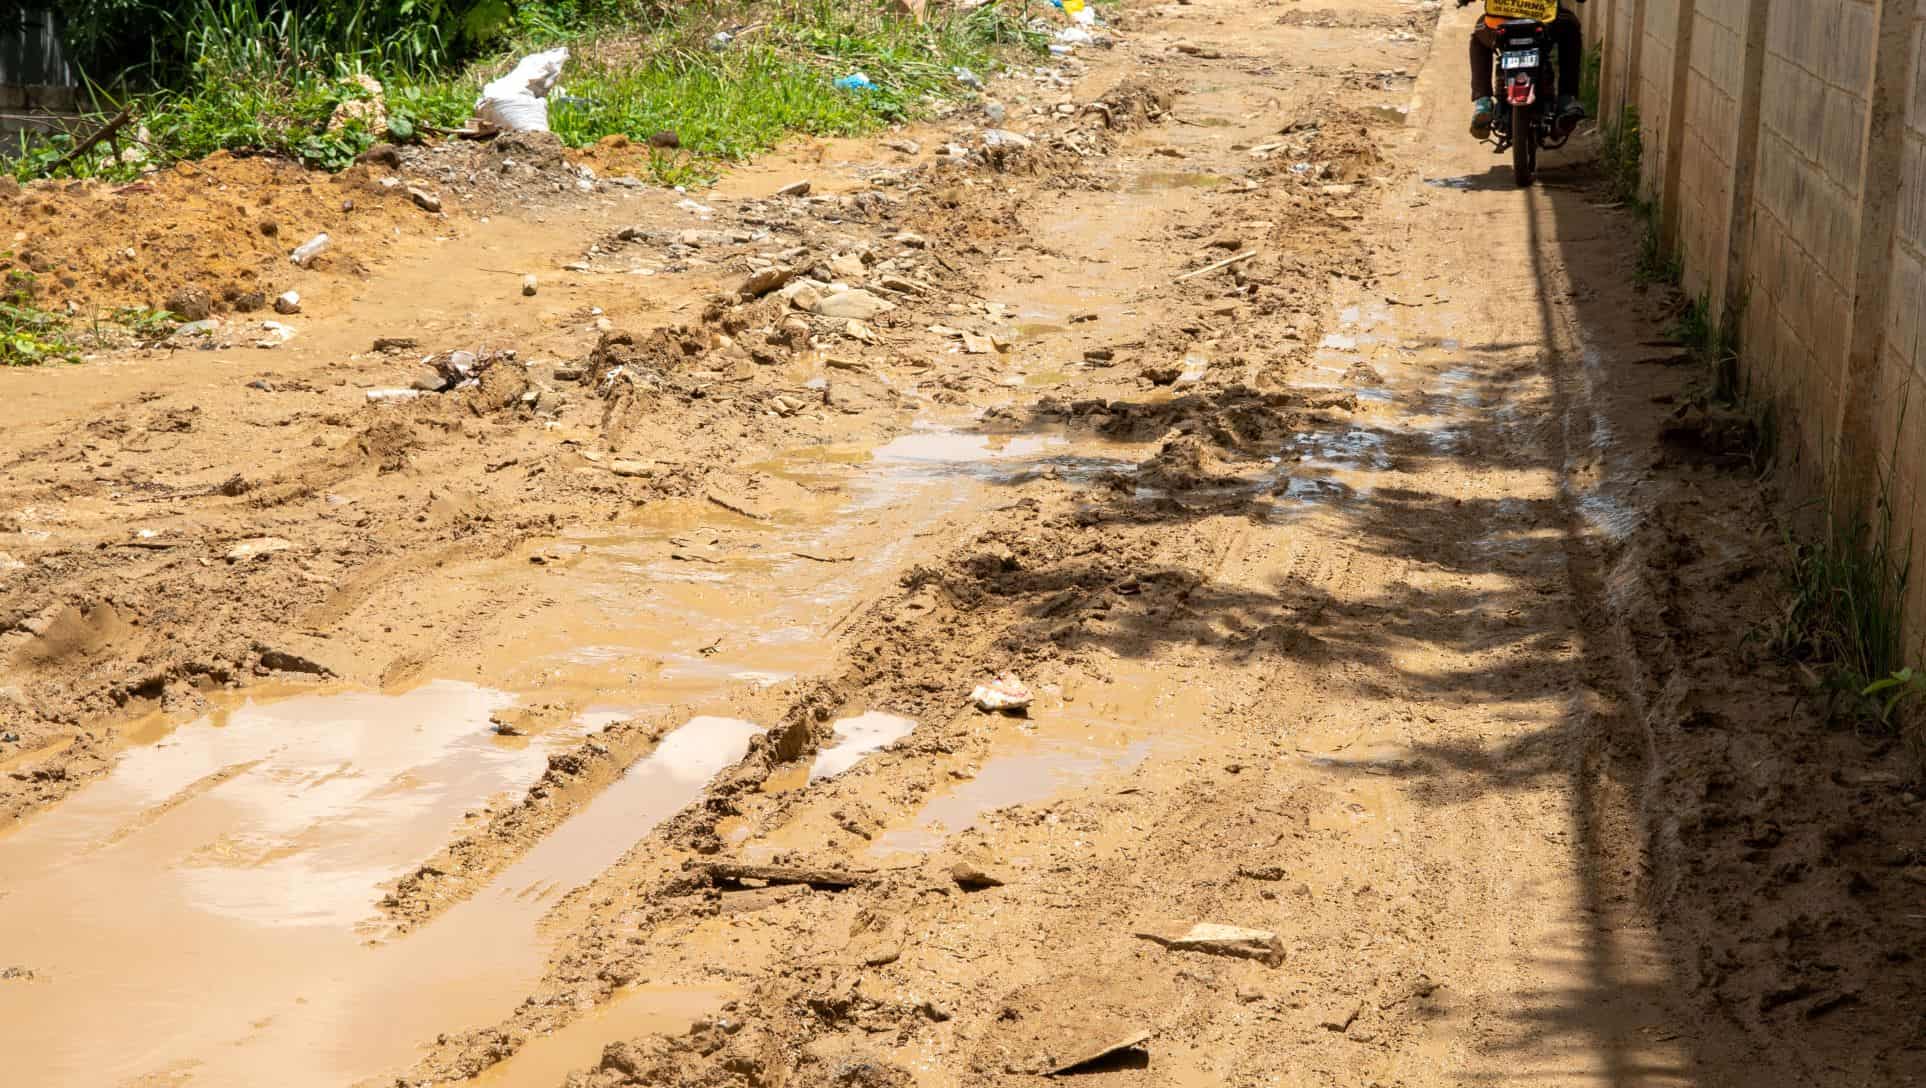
point(210, 889)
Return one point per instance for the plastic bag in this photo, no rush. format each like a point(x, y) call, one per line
point(518, 101)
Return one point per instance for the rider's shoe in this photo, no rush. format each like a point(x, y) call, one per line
point(1570, 111)
point(1481, 110)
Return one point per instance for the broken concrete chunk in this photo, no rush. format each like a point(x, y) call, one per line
point(1221, 940)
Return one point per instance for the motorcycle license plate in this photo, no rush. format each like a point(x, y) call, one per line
point(1543, 11)
point(1526, 59)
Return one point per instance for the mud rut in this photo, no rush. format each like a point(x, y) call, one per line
point(1315, 562)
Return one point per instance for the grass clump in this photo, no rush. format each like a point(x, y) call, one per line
point(274, 75)
point(30, 336)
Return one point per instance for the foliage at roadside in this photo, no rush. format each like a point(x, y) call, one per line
point(270, 75)
point(28, 334)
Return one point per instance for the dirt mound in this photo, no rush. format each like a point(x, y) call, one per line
point(221, 228)
point(514, 169)
point(1133, 103)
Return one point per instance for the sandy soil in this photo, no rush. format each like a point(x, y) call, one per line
point(605, 719)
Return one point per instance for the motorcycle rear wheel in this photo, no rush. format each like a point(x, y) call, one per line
point(1524, 146)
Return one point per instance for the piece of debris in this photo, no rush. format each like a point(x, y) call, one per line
point(1006, 694)
point(1215, 265)
point(305, 253)
point(1222, 940)
point(1094, 1054)
point(528, 285)
point(632, 468)
point(277, 334)
point(256, 547)
point(287, 302)
point(729, 872)
point(395, 343)
point(425, 200)
point(795, 188)
point(856, 330)
point(384, 396)
point(190, 303)
point(518, 101)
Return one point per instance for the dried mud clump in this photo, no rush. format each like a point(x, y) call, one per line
point(1132, 104)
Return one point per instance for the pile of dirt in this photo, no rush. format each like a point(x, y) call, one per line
point(223, 226)
point(525, 170)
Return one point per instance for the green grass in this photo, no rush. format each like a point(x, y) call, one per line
point(271, 82)
point(30, 336)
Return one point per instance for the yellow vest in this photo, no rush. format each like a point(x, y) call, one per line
point(1542, 10)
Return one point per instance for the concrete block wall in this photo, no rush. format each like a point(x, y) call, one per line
point(1900, 392)
point(1785, 144)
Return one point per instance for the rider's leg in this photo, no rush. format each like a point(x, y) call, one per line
point(1482, 104)
point(1570, 38)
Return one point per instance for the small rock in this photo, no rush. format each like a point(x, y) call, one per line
point(667, 138)
point(764, 280)
point(1099, 355)
point(971, 876)
point(251, 302)
point(395, 343)
point(855, 305)
point(568, 373)
point(384, 396)
point(910, 239)
point(1341, 1016)
point(528, 286)
point(907, 147)
point(795, 188)
point(425, 200)
point(632, 468)
point(190, 303)
point(256, 547)
point(287, 302)
point(1222, 940)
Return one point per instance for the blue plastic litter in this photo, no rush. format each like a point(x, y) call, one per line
point(855, 81)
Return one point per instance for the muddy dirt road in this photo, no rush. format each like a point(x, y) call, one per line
point(604, 719)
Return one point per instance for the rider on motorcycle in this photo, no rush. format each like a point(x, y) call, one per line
point(1570, 39)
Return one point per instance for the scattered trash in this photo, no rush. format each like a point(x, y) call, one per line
point(287, 302)
point(700, 210)
point(256, 547)
point(305, 253)
point(721, 40)
point(518, 101)
point(277, 334)
point(1006, 694)
point(1222, 940)
point(968, 78)
point(855, 81)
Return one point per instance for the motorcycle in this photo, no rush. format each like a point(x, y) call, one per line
point(1526, 119)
